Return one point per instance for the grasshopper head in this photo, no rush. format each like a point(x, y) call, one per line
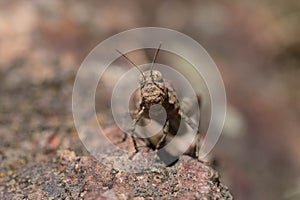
point(152, 88)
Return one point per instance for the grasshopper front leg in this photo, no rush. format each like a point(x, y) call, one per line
point(132, 129)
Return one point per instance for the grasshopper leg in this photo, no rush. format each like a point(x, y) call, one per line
point(194, 127)
point(125, 135)
point(132, 129)
point(163, 137)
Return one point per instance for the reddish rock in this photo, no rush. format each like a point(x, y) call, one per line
point(83, 177)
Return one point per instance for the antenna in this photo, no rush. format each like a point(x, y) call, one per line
point(154, 59)
point(132, 63)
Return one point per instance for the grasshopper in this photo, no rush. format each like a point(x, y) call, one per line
point(153, 90)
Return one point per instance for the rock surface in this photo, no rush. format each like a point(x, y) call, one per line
point(68, 176)
point(65, 175)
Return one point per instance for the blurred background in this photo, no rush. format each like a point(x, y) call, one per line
point(255, 44)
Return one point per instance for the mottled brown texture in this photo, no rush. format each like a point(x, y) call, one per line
point(78, 177)
point(66, 175)
point(155, 90)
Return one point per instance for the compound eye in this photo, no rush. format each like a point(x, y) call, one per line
point(157, 76)
point(141, 79)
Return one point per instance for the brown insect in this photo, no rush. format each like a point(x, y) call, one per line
point(153, 90)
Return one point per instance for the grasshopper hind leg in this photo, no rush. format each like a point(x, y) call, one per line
point(197, 138)
point(163, 137)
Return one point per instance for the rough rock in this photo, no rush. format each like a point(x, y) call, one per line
point(65, 175)
point(68, 176)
